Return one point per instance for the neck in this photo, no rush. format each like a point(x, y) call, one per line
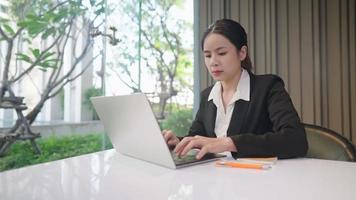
point(231, 84)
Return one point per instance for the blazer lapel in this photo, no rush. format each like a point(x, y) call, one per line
point(211, 117)
point(238, 117)
point(240, 110)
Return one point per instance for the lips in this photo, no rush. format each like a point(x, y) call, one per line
point(216, 72)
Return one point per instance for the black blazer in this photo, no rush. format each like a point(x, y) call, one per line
point(267, 125)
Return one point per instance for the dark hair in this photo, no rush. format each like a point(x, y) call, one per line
point(234, 32)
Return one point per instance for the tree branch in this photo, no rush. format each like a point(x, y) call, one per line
point(174, 51)
point(34, 64)
point(84, 69)
point(134, 88)
point(63, 48)
point(7, 62)
point(7, 38)
point(153, 46)
point(60, 86)
point(56, 6)
point(77, 60)
point(17, 33)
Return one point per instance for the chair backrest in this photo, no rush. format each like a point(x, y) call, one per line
point(327, 144)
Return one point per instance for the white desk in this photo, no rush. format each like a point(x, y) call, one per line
point(109, 175)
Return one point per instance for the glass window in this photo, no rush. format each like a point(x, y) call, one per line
point(65, 52)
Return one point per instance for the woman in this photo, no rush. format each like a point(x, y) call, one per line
point(242, 113)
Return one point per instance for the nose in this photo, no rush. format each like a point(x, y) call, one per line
point(213, 61)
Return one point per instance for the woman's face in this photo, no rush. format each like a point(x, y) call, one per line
point(222, 58)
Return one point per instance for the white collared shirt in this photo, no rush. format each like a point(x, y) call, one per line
point(242, 92)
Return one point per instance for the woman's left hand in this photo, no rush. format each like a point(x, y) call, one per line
point(205, 144)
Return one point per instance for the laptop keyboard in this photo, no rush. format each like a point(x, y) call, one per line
point(184, 159)
point(190, 157)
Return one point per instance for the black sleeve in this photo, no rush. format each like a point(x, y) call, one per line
point(197, 127)
point(288, 138)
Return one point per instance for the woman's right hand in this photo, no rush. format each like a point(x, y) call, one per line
point(170, 138)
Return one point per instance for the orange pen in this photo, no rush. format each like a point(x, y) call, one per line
point(242, 165)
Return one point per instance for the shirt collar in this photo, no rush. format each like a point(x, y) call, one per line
point(242, 89)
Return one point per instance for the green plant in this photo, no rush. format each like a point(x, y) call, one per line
point(178, 121)
point(162, 49)
point(92, 92)
point(43, 30)
point(53, 148)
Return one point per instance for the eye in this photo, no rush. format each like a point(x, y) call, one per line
point(222, 53)
point(207, 55)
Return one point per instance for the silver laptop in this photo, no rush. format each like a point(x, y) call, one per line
point(134, 131)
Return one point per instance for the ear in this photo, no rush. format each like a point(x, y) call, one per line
point(243, 53)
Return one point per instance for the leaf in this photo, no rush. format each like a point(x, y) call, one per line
point(100, 11)
point(36, 52)
point(9, 29)
point(33, 17)
point(35, 28)
point(22, 24)
point(48, 32)
point(63, 13)
point(42, 69)
point(3, 20)
point(92, 2)
point(44, 65)
point(48, 16)
point(53, 60)
point(47, 55)
point(23, 57)
point(51, 63)
point(101, 3)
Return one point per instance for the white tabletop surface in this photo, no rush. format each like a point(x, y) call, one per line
point(110, 175)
